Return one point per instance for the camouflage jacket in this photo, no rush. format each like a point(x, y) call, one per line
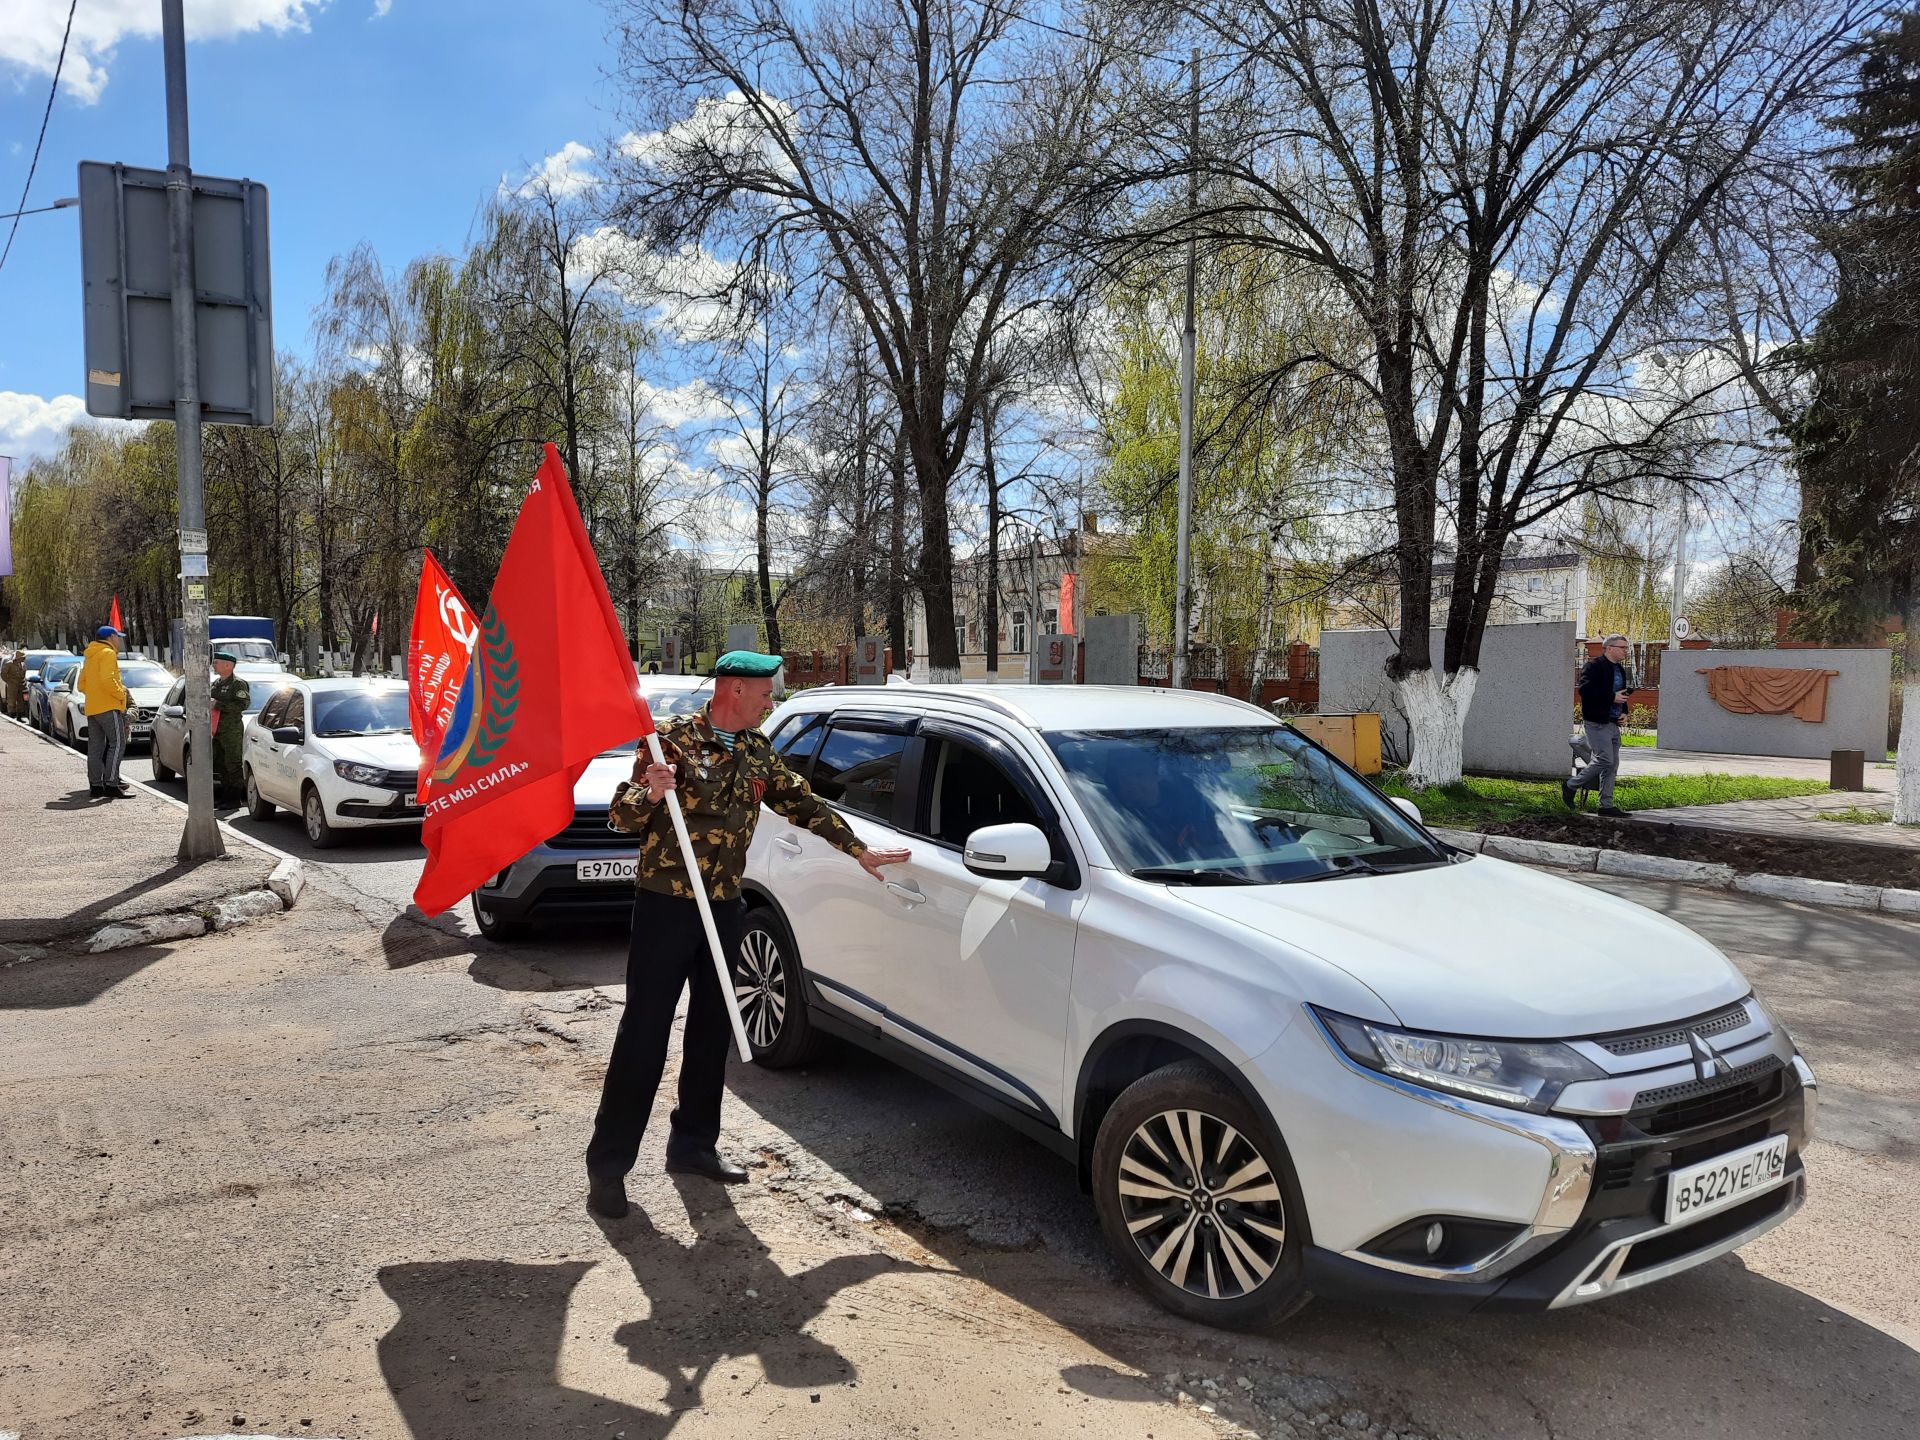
point(721, 794)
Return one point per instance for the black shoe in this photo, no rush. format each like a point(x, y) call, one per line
point(96, 791)
point(705, 1161)
point(607, 1198)
point(1566, 794)
point(1611, 812)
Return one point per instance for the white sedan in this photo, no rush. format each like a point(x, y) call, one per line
point(338, 753)
point(147, 685)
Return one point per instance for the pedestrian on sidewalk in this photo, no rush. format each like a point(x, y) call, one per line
point(231, 696)
point(106, 713)
point(13, 676)
point(724, 769)
point(1603, 704)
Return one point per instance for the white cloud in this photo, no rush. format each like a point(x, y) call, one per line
point(729, 127)
point(693, 403)
point(30, 32)
point(564, 172)
point(32, 426)
point(382, 9)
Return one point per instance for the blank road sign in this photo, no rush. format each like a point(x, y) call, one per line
point(126, 268)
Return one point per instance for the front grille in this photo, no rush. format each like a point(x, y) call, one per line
point(588, 831)
point(1639, 1042)
point(143, 715)
point(1672, 1108)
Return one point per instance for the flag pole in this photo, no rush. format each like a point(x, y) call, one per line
point(699, 886)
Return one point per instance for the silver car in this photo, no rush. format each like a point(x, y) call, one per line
point(170, 746)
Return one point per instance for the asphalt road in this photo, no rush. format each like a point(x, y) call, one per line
point(1812, 1331)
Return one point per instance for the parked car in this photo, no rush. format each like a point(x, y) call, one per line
point(337, 753)
point(170, 747)
point(586, 871)
point(1294, 1043)
point(53, 669)
point(147, 683)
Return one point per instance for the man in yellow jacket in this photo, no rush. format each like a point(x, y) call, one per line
point(106, 713)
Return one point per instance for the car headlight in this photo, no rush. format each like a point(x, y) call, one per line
point(358, 774)
point(1525, 1074)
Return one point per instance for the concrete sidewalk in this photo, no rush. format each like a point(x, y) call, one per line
point(1651, 760)
point(74, 863)
point(1797, 817)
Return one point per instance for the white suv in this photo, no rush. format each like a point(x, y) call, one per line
point(1435, 1078)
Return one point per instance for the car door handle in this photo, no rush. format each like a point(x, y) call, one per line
point(789, 843)
point(909, 893)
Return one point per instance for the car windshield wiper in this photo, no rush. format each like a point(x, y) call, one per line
point(1351, 867)
point(1174, 875)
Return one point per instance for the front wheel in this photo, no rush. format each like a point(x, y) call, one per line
point(313, 815)
point(258, 806)
point(161, 773)
point(491, 926)
point(1198, 1200)
point(771, 991)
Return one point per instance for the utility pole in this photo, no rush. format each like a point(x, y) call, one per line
point(1182, 556)
point(1678, 610)
point(201, 838)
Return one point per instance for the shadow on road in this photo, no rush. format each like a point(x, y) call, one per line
point(1716, 1345)
point(61, 979)
point(477, 1348)
point(76, 800)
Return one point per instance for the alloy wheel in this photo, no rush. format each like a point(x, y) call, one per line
point(1202, 1203)
point(760, 985)
point(316, 817)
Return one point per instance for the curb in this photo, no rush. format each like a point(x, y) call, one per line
point(229, 912)
point(1884, 899)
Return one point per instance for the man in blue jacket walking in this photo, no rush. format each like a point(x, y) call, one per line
point(1603, 701)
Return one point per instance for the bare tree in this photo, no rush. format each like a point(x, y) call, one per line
point(920, 155)
point(1500, 198)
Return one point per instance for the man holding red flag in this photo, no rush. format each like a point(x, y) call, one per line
point(731, 771)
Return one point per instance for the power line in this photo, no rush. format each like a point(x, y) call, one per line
point(34, 164)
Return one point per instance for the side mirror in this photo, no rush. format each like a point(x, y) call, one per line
point(287, 735)
point(1014, 851)
point(282, 657)
point(1407, 808)
point(174, 712)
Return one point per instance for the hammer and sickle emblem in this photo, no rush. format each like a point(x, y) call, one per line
point(459, 619)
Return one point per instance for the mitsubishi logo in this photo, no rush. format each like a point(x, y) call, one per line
point(1708, 1063)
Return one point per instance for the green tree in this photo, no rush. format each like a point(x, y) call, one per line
point(1857, 444)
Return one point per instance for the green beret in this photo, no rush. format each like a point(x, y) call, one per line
point(746, 665)
point(226, 655)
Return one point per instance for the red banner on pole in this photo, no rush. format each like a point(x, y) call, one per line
point(438, 647)
point(1069, 582)
point(113, 615)
point(550, 686)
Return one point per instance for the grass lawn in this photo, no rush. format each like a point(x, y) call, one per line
point(1482, 800)
point(1856, 816)
point(1638, 739)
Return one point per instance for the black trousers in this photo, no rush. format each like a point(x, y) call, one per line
point(668, 950)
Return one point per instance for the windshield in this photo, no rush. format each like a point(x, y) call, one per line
point(1246, 804)
point(59, 668)
point(139, 675)
point(245, 650)
point(359, 712)
point(664, 703)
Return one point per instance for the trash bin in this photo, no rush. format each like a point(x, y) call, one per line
point(1848, 770)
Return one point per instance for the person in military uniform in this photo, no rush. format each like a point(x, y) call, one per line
point(723, 769)
point(230, 695)
point(13, 675)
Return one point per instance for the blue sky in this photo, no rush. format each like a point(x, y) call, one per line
point(389, 128)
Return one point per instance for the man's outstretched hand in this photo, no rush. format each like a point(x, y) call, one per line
point(872, 860)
